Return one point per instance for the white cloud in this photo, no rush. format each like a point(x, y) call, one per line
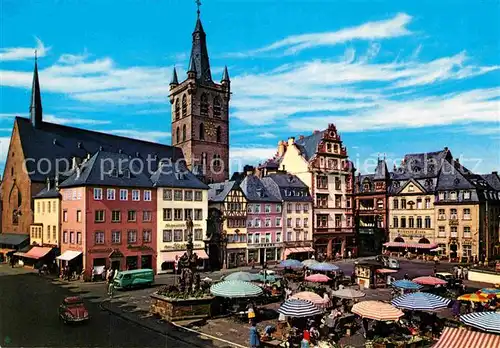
point(73, 120)
point(267, 135)
point(4, 148)
point(22, 53)
point(394, 27)
point(240, 156)
point(153, 136)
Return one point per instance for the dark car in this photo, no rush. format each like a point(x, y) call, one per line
point(72, 310)
point(450, 279)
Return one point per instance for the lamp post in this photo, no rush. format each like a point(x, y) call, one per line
point(223, 242)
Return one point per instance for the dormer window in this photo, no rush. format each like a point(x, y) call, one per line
point(466, 194)
point(428, 182)
point(411, 188)
point(453, 195)
point(328, 147)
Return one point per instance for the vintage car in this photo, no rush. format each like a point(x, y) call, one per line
point(72, 309)
point(450, 278)
point(388, 262)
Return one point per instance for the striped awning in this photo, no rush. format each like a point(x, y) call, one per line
point(377, 310)
point(410, 245)
point(420, 301)
point(462, 338)
point(486, 321)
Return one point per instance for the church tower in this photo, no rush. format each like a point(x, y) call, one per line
point(200, 113)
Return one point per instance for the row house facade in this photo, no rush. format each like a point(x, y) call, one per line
point(264, 222)
point(230, 201)
point(181, 197)
point(45, 231)
point(320, 161)
point(372, 209)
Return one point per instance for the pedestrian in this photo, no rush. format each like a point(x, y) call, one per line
point(459, 273)
point(349, 254)
point(466, 273)
point(254, 336)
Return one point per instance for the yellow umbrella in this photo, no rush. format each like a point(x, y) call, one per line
point(475, 297)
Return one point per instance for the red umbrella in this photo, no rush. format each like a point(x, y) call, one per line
point(429, 281)
point(318, 278)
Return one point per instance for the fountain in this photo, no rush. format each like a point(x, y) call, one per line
point(190, 299)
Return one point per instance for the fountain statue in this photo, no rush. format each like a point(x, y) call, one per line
point(187, 264)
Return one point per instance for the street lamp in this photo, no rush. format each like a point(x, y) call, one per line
point(223, 242)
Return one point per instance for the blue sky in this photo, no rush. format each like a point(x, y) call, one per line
point(395, 77)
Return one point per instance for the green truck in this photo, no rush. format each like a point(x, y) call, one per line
point(135, 278)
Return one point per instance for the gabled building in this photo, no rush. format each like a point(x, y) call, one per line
point(108, 215)
point(228, 198)
point(45, 231)
point(264, 222)
point(372, 209)
point(180, 197)
point(297, 217)
point(320, 161)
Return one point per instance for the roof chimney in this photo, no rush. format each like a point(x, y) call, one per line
point(457, 160)
point(446, 148)
point(281, 148)
point(291, 141)
point(494, 173)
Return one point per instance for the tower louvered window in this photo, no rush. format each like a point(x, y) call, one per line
point(177, 109)
point(184, 106)
point(217, 107)
point(204, 104)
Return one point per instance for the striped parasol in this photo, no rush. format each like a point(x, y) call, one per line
point(348, 294)
point(486, 321)
point(290, 263)
point(309, 262)
point(406, 284)
point(476, 297)
point(313, 298)
point(318, 278)
point(377, 310)
point(324, 267)
point(235, 289)
point(243, 276)
point(299, 309)
point(428, 280)
point(420, 301)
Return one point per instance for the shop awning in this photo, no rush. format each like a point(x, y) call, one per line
point(6, 251)
point(69, 255)
point(385, 271)
point(289, 251)
point(170, 256)
point(410, 245)
point(461, 338)
point(13, 238)
point(37, 252)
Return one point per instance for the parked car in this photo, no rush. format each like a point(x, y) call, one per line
point(134, 278)
point(388, 262)
point(72, 310)
point(450, 278)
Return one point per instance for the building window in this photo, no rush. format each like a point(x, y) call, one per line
point(167, 214)
point(146, 236)
point(54, 233)
point(305, 207)
point(380, 204)
point(403, 222)
point(188, 214)
point(97, 194)
point(322, 182)
point(110, 194)
point(131, 215)
point(48, 207)
point(43, 207)
point(411, 188)
point(167, 194)
point(78, 216)
point(419, 222)
point(116, 216)
point(278, 222)
point(136, 196)
point(177, 109)
point(177, 195)
point(441, 231)
point(256, 208)
point(146, 215)
point(442, 196)
point(116, 237)
point(403, 203)
point(184, 133)
point(322, 221)
point(306, 222)
point(188, 195)
point(48, 231)
point(428, 222)
point(177, 235)
point(278, 237)
point(178, 134)
point(289, 222)
point(256, 223)
point(395, 222)
point(411, 222)
point(249, 208)
point(178, 214)
point(147, 195)
point(338, 182)
point(467, 214)
point(338, 222)
point(289, 208)
point(65, 237)
point(267, 208)
point(167, 236)
point(427, 203)
point(99, 216)
point(99, 237)
point(466, 194)
point(131, 236)
point(297, 222)
point(204, 104)
point(453, 195)
point(198, 214)
point(249, 223)
point(297, 235)
point(202, 132)
point(268, 222)
point(78, 237)
point(198, 234)
point(466, 250)
point(198, 196)
point(322, 200)
point(38, 207)
point(453, 214)
point(395, 204)
point(419, 203)
point(65, 215)
point(441, 214)
point(289, 236)
point(467, 233)
point(123, 194)
point(298, 208)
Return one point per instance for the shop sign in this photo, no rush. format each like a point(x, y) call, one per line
point(182, 246)
point(411, 233)
point(263, 245)
point(181, 225)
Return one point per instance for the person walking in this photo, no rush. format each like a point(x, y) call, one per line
point(111, 287)
point(254, 336)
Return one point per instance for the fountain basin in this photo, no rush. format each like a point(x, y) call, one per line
point(175, 309)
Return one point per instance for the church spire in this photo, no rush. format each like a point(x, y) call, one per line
point(225, 75)
point(175, 80)
point(36, 99)
point(199, 52)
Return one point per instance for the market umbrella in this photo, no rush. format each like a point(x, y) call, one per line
point(428, 280)
point(475, 297)
point(290, 263)
point(486, 321)
point(376, 310)
point(324, 267)
point(348, 293)
point(243, 276)
point(298, 309)
point(235, 289)
point(420, 301)
point(313, 298)
point(309, 262)
point(268, 278)
point(489, 291)
point(318, 278)
point(406, 284)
